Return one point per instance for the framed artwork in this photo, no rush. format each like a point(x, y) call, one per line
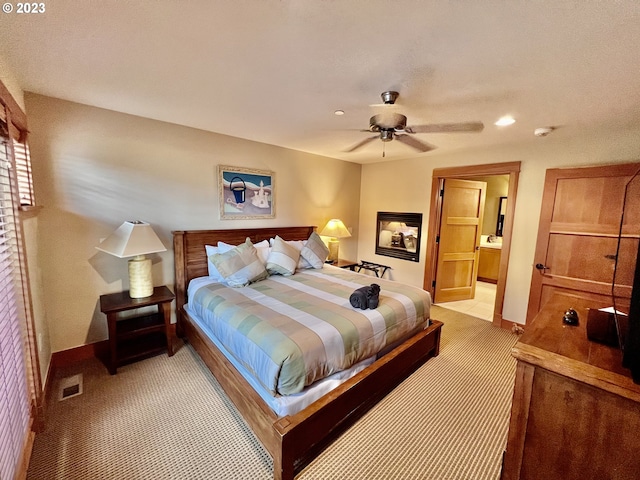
point(398, 235)
point(245, 193)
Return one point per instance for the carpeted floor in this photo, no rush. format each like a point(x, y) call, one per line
point(167, 418)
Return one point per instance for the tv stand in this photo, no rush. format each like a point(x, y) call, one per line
point(575, 413)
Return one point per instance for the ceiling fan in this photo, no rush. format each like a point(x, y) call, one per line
point(392, 125)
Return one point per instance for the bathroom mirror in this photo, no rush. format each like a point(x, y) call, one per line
point(502, 212)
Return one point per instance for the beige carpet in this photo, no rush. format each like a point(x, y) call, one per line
point(167, 418)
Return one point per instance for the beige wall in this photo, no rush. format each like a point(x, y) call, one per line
point(43, 342)
point(411, 181)
point(11, 82)
point(95, 168)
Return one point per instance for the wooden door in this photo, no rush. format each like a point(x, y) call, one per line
point(578, 235)
point(459, 239)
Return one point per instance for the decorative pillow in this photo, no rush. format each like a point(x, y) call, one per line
point(283, 258)
point(213, 271)
point(298, 245)
point(262, 248)
point(240, 266)
point(315, 251)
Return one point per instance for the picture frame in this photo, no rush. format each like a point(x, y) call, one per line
point(245, 193)
point(398, 235)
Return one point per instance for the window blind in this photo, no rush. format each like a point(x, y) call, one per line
point(16, 130)
point(23, 173)
point(15, 395)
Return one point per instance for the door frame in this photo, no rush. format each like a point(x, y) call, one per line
point(437, 184)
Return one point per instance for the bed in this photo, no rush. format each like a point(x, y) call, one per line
point(293, 439)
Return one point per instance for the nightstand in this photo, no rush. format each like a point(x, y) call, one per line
point(346, 264)
point(135, 337)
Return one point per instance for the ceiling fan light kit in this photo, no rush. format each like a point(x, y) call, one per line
point(386, 135)
point(391, 125)
point(389, 121)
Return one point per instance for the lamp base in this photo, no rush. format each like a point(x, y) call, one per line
point(140, 279)
point(334, 247)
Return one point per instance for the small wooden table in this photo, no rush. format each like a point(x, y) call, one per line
point(138, 336)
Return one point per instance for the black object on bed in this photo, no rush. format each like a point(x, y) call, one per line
point(365, 297)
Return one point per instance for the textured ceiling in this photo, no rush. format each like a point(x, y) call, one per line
point(275, 71)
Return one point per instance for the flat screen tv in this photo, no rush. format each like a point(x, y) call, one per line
point(630, 343)
point(631, 353)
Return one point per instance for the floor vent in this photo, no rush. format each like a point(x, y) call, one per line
point(70, 387)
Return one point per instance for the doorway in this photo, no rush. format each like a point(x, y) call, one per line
point(494, 268)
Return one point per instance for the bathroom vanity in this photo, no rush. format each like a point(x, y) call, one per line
point(489, 261)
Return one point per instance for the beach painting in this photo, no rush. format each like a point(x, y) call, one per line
point(245, 193)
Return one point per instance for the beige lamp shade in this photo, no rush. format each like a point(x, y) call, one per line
point(135, 239)
point(334, 229)
point(130, 239)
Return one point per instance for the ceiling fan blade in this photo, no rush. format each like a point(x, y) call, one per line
point(414, 142)
point(446, 127)
point(362, 143)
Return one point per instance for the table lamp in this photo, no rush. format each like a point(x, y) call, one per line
point(135, 239)
point(334, 229)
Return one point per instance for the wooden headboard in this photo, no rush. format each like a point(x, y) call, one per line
point(190, 257)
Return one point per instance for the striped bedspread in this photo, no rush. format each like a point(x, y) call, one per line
point(292, 331)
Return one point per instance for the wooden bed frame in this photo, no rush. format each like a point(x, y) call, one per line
point(293, 440)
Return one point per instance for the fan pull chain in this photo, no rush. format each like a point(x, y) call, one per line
point(383, 148)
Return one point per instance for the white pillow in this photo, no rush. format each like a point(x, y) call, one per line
point(213, 271)
point(283, 258)
point(262, 248)
point(240, 266)
point(315, 251)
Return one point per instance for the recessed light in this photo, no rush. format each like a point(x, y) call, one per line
point(339, 112)
point(505, 121)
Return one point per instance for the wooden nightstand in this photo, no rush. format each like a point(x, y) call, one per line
point(136, 337)
point(346, 264)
